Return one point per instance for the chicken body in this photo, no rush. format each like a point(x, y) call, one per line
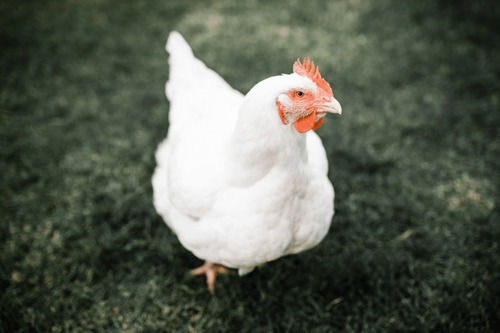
point(237, 185)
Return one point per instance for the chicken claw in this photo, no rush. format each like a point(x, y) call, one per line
point(210, 270)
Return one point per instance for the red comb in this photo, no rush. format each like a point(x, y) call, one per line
point(308, 69)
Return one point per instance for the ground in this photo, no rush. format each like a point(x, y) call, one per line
point(414, 159)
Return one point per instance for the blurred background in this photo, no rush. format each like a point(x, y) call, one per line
point(414, 160)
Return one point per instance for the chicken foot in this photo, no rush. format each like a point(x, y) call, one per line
point(210, 270)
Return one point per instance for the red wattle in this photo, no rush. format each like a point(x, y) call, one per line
point(306, 123)
point(318, 123)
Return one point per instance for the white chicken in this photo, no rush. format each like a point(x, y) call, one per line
point(242, 180)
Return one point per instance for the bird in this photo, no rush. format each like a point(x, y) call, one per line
point(242, 179)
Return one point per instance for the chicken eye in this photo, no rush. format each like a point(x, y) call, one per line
point(299, 93)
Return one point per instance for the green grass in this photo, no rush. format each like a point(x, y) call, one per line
point(414, 246)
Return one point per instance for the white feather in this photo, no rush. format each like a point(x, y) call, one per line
point(237, 186)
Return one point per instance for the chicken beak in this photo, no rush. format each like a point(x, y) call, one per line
point(332, 106)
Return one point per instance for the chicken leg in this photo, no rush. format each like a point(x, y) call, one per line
point(210, 270)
